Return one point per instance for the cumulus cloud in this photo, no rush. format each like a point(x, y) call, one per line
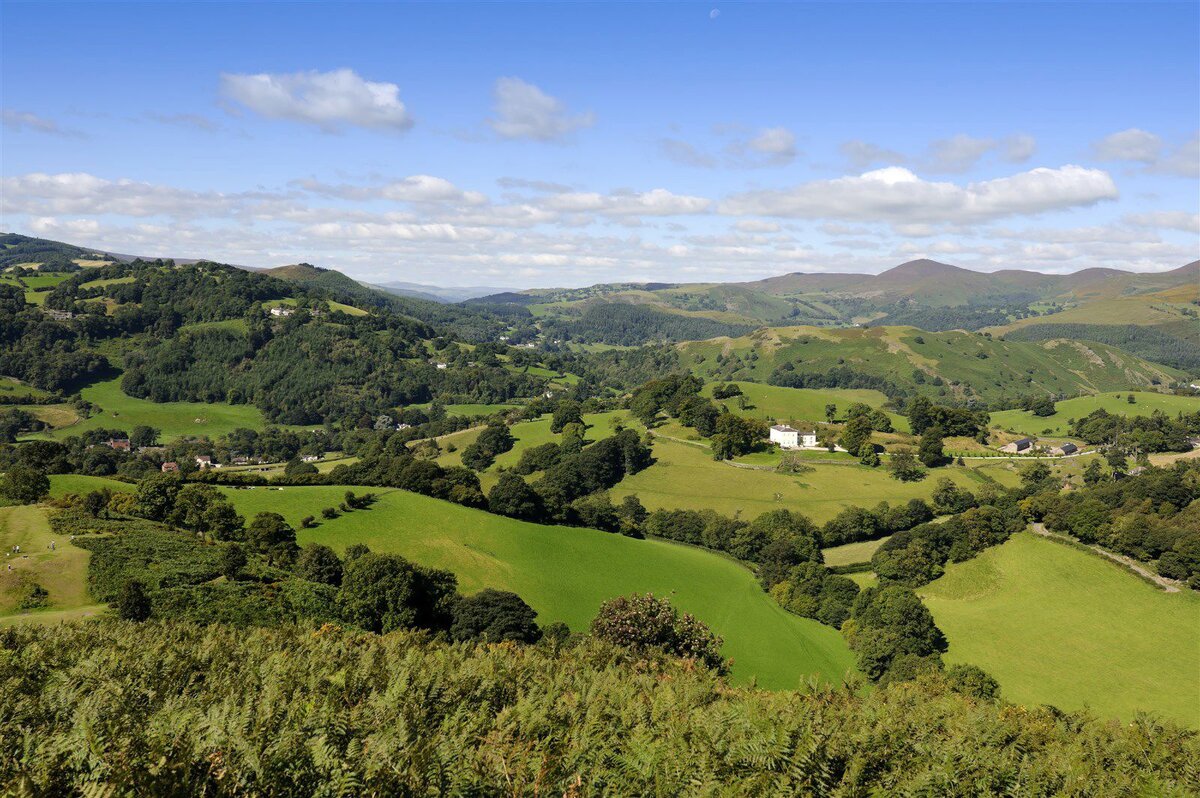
point(329, 100)
point(1166, 220)
point(658, 202)
point(23, 120)
point(862, 154)
point(756, 226)
point(778, 144)
point(523, 111)
point(416, 188)
point(957, 154)
point(1018, 148)
point(1182, 161)
point(42, 194)
point(1129, 145)
point(895, 194)
point(684, 153)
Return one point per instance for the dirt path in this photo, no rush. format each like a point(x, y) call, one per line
point(1168, 585)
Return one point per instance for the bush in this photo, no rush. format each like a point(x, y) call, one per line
point(494, 616)
point(132, 603)
point(645, 623)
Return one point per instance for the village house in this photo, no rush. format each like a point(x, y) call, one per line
point(402, 426)
point(309, 458)
point(205, 461)
point(1023, 446)
point(170, 467)
point(282, 311)
point(440, 366)
point(120, 444)
point(1064, 449)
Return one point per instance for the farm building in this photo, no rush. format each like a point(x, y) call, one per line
point(170, 467)
point(204, 461)
point(282, 311)
point(1064, 449)
point(120, 444)
point(1024, 445)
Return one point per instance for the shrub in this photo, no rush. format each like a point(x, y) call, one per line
point(645, 623)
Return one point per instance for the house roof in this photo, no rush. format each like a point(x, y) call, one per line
point(1023, 442)
point(783, 428)
point(1068, 447)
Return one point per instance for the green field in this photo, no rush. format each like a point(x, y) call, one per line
point(172, 418)
point(852, 553)
point(62, 484)
point(1057, 625)
point(1025, 422)
point(62, 572)
point(10, 388)
point(565, 573)
point(685, 476)
point(802, 404)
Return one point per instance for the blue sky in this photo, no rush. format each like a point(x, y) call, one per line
point(567, 144)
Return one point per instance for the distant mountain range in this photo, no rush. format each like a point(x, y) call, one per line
point(438, 293)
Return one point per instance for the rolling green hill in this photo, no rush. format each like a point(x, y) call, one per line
point(965, 364)
point(565, 573)
point(684, 476)
point(1023, 421)
point(1061, 626)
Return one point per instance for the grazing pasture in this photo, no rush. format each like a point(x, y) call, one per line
point(1058, 625)
point(173, 419)
point(62, 572)
point(1144, 404)
point(685, 476)
point(801, 404)
point(565, 573)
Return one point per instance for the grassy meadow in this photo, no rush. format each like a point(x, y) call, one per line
point(1058, 625)
point(1116, 403)
point(62, 572)
point(173, 419)
point(685, 476)
point(565, 573)
point(802, 404)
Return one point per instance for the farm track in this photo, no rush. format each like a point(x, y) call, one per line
point(1168, 585)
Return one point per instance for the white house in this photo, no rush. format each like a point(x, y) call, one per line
point(790, 438)
point(282, 311)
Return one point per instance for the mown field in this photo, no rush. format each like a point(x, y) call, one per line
point(1061, 626)
point(173, 419)
point(685, 476)
point(61, 571)
point(1146, 403)
point(565, 573)
point(802, 404)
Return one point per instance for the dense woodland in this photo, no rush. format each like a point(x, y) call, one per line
point(635, 325)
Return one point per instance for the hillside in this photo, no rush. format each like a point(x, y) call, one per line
point(922, 293)
point(1026, 611)
point(565, 573)
point(952, 363)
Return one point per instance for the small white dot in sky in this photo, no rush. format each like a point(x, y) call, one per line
point(716, 12)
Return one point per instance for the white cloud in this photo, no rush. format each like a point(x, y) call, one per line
point(194, 121)
point(523, 111)
point(684, 153)
point(895, 194)
point(777, 143)
point(416, 188)
point(658, 202)
point(329, 100)
point(1166, 220)
point(1019, 148)
point(862, 154)
point(756, 226)
point(1183, 161)
point(22, 120)
point(957, 154)
point(1129, 145)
